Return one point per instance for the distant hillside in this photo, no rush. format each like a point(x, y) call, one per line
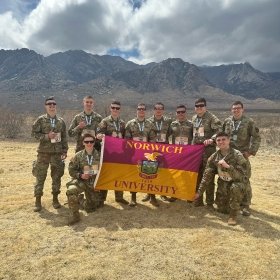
point(72, 74)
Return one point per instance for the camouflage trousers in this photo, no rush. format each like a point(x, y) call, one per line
point(210, 190)
point(229, 196)
point(40, 170)
point(118, 195)
point(246, 201)
point(76, 187)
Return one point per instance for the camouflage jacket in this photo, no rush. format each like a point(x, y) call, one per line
point(162, 127)
point(109, 126)
point(179, 129)
point(91, 120)
point(40, 129)
point(80, 160)
point(244, 135)
point(210, 126)
point(144, 129)
point(236, 173)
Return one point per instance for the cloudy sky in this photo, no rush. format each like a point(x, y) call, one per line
point(203, 32)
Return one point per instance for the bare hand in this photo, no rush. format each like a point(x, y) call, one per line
point(223, 163)
point(63, 156)
point(51, 135)
point(196, 196)
point(82, 124)
point(246, 154)
point(100, 136)
point(208, 142)
point(85, 176)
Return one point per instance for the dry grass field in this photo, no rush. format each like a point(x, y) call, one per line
point(174, 241)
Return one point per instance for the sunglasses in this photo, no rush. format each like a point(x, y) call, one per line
point(180, 112)
point(236, 108)
point(89, 142)
point(115, 108)
point(158, 108)
point(199, 105)
point(221, 139)
point(50, 104)
point(141, 109)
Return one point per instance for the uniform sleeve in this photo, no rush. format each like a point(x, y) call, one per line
point(208, 175)
point(255, 138)
point(73, 129)
point(127, 132)
point(152, 133)
point(37, 131)
point(102, 127)
point(64, 141)
point(216, 126)
point(74, 168)
point(191, 134)
point(239, 172)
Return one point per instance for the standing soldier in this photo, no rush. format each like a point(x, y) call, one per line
point(161, 124)
point(230, 165)
point(205, 127)
point(50, 130)
point(180, 131)
point(113, 126)
point(83, 168)
point(140, 129)
point(244, 137)
point(84, 122)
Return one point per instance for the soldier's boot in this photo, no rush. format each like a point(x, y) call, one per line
point(55, 202)
point(232, 218)
point(198, 202)
point(146, 197)
point(38, 205)
point(172, 199)
point(74, 217)
point(164, 198)
point(246, 211)
point(133, 202)
point(73, 203)
point(154, 201)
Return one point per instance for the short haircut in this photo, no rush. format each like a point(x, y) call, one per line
point(200, 100)
point(181, 106)
point(88, 135)
point(88, 97)
point(222, 134)
point(237, 103)
point(49, 98)
point(160, 104)
point(116, 102)
point(141, 104)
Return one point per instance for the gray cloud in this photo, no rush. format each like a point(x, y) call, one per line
point(198, 31)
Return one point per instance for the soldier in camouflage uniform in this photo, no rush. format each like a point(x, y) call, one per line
point(83, 168)
point(50, 130)
point(205, 127)
point(140, 129)
point(230, 165)
point(180, 131)
point(113, 126)
point(245, 137)
point(85, 122)
point(161, 124)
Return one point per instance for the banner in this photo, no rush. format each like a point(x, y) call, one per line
point(154, 168)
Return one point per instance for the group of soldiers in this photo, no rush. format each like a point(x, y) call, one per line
point(237, 138)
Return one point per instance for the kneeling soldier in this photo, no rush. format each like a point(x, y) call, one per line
point(83, 168)
point(230, 165)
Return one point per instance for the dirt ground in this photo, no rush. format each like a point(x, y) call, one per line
point(174, 241)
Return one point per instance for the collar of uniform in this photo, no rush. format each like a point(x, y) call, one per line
point(49, 117)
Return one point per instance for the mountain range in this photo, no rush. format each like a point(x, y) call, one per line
point(24, 71)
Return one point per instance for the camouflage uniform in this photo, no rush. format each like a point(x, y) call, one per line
point(92, 122)
point(140, 131)
point(206, 127)
point(110, 127)
point(78, 185)
point(245, 137)
point(231, 182)
point(162, 127)
point(49, 153)
point(181, 132)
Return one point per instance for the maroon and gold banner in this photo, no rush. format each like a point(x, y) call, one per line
point(154, 168)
